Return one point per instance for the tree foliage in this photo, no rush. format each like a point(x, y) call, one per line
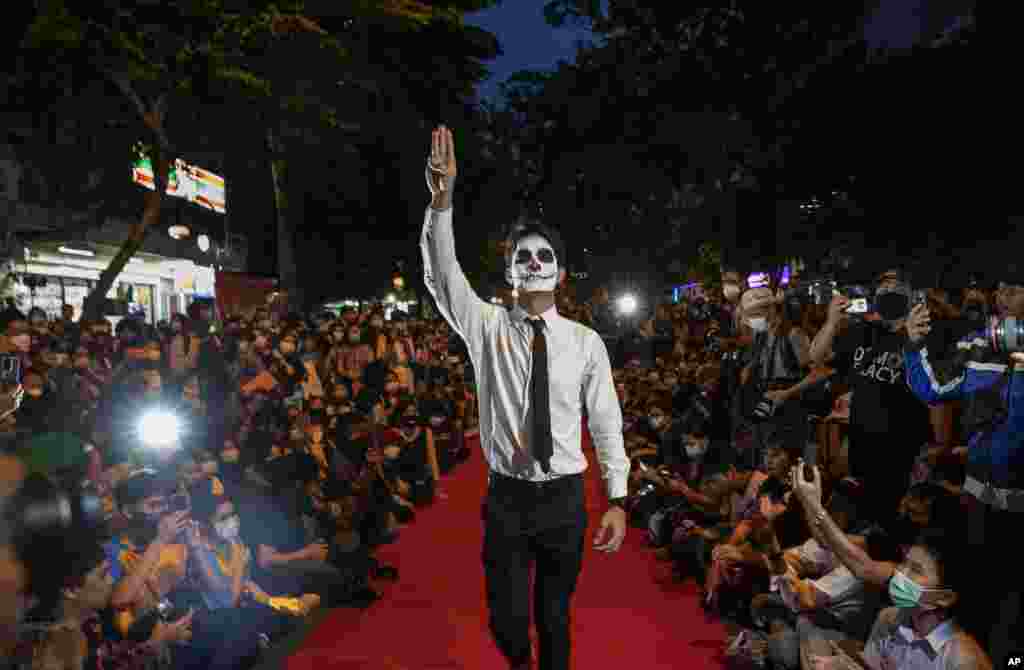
point(718, 121)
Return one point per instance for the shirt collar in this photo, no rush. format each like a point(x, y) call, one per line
point(936, 639)
point(520, 315)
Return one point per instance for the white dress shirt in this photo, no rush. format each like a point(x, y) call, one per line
point(500, 347)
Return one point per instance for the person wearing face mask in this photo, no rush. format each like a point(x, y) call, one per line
point(776, 375)
point(39, 405)
point(349, 359)
point(285, 365)
point(888, 425)
point(987, 380)
point(182, 347)
point(416, 470)
point(925, 589)
point(20, 339)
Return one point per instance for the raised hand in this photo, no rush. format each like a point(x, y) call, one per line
point(441, 168)
point(919, 323)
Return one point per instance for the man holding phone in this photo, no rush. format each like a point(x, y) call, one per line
point(888, 424)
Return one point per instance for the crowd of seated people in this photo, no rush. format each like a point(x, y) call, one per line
point(242, 474)
point(306, 443)
point(863, 562)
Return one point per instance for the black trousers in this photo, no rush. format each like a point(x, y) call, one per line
point(540, 526)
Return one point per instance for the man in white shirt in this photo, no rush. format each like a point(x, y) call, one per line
point(536, 371)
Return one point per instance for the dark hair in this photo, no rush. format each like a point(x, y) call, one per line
point(948, 550)
point(775, 489)
point(928, 492)
point(521, 230)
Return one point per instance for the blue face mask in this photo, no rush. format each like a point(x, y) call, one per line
point(905, 592)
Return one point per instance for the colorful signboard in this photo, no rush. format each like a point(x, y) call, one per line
point(189, 182)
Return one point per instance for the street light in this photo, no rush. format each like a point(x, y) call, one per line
point(178, 232)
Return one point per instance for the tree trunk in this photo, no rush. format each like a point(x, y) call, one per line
point(287, 271)
point(92, 309)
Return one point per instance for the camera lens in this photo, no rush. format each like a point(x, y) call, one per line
point(1007, 335)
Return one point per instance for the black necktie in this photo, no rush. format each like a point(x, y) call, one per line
point(540, 398)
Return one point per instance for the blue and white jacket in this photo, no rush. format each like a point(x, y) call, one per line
point(993, 395)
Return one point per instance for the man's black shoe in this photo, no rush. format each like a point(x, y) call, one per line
point(363, 598)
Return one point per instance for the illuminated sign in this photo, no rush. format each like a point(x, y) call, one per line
point(189, 182)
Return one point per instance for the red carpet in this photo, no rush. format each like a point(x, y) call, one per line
point(628, 612)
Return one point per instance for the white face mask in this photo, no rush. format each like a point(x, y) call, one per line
point(759, 324)
point(228, 528)
point(534, 266)
point(696, 448)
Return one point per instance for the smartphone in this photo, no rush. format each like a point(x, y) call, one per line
point(10, 369)
point(920, 297)
point(858, 306)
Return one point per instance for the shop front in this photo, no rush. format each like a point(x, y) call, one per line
point(153, 287)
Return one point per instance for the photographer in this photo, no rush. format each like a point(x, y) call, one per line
point(985, 374)
point(774, 378)
point(888, 425)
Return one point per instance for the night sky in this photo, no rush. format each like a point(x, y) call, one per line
point(527, 41)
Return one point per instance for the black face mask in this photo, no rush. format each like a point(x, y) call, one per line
point(892, 306)
point(975, 312)
point(143, 530)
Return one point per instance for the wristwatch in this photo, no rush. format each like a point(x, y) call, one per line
point(618, 502)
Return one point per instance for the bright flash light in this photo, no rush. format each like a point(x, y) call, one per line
point(627, 304)
point(390, 298)
point(159, 429)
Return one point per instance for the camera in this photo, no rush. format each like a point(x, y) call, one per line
point(52, 523)
point(817, 292)
point(1005, 336)
point(701, 310)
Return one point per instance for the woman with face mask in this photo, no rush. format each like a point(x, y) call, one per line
point(235, 605)
point(38, 407)
point(349, 359)
point(778, 372)
point(925, 590)
point(416, 467)
point(285, 365)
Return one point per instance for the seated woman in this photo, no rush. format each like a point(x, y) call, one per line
point(79, 635)
point(739, 564)
point(693, 551)
point(925, 589)
point(439, 412)
point(223, 564)
point(411, 464)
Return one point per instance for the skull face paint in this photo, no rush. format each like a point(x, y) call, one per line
point(534, 266)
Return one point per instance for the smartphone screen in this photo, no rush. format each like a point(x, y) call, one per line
point(858, 306)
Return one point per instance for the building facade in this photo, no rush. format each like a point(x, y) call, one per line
point(51, 258)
